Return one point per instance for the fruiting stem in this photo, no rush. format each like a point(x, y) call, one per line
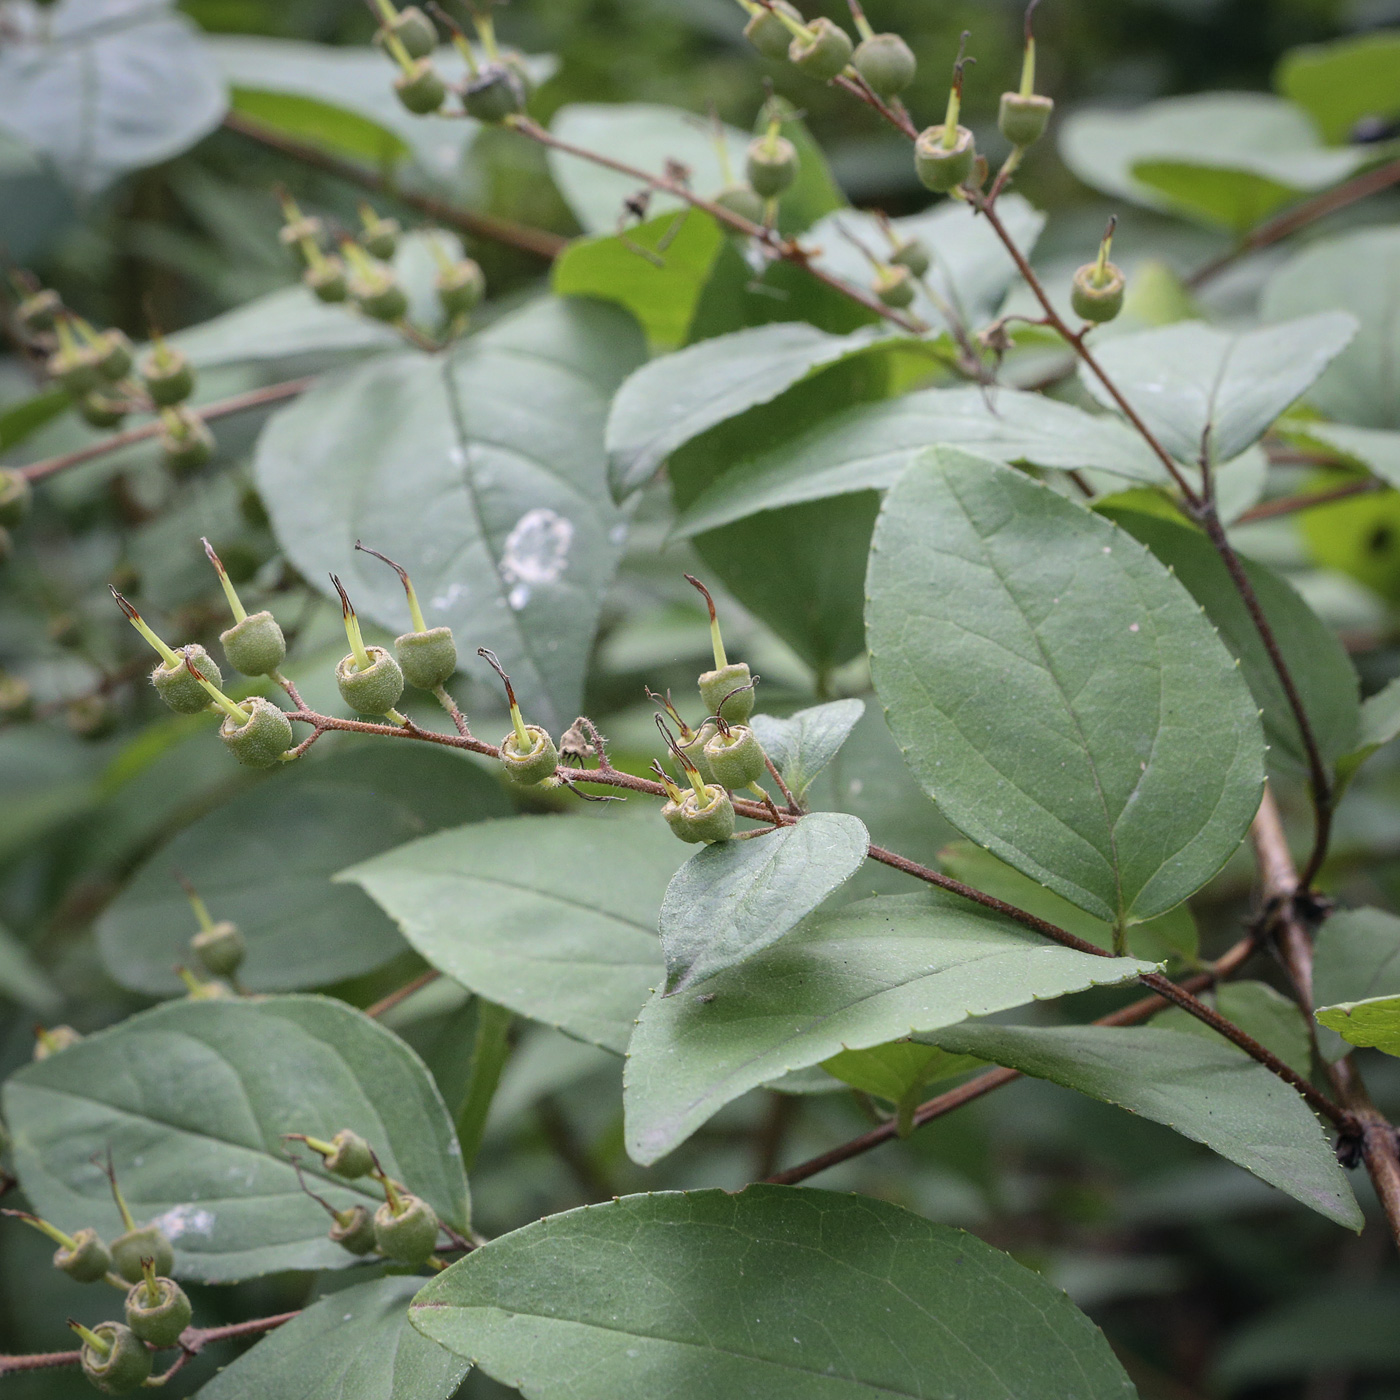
point(1100, 275)
point(230, 592)
point(170, 658)
point(950, 121)
point(90, 1338)
point(352, 628)
point(721, 661)
point(52, 1231)
point(414, 611)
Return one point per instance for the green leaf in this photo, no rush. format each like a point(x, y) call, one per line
point(356, 1344)
point(804, 743)
point(898, 1072)
point(551, 917)
point(1373, 1022)
point(1212, 1094)
point(1321, 669)
point(1355, 272)
point(1172, 932)
point(661, 290)
point(844, 980)
point(1375, 448)
point(1274, 1020)
point(1379, 724)
point(671, 400)
point(193, 1098)
point(321, 123)
point(970, 269)
point(482, 472)
point(1056, 691)
point(642, 134)
point(1250, 153)
point(101, 90)
point(1356, 957)
point(19, 420)
point(1339, 83)
point(1199, 388)
point(776, 1293)
point(265, 859)
point(734, 898)
point(22, 980)
point(868, 446)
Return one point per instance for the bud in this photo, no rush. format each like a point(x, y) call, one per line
point(743, 200)
point(886, 63)
point(528, 753)
point(894, 286)
point(263, 736)
point(40, 311)
point(138, 1243)
point(493, 94)
point(379, 237)
point(353, 1230)
point(1097, 291)
point(460, 287)
point(220, 948)
point(118, 355)
point(735, 756)
point(772, 163)
point(101, 410)
point(113, 1358)
point(768, 34)
point(912, 254)
point(178, 688)
point(327, 280)
point(157, 1310)
point(15, 496)
point(167, 376)
point(823, 52)
point(406, 1227)
point(186, 442)
point(53, 1040)
point(420, 89)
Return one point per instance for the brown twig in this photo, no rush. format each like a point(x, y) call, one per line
point(239, 403)
point(539, 242)
point(387, 1003)
point(1290, 505)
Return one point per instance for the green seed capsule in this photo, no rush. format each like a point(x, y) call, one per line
point(886, 62)
point(77, 368)
point(125, 1366)
point(894, 286)
point(694, 750)
point(159, 1323)
point(768, 34)
point(743, 200)
point(39, 311)
point(735, 760)
point(255, 646)
point(179, 689)
point(772, 165)
point(942, 169)
point(494, 94)
point(536, 765)
point(420, 89)
point(353, 1230)
point(220, 949)
point(408, 1234)
point(380, 237)
point(427, 659)
point(101, 410)
point(118, 355)
point(168, 377)
point(262, 739)
point(350, 1157)
point(824, 55)
point(415, 31)
point(15, 496)
point(376, 689)
point(1094, 302)
point(87, 1261)
point(143, 1242)
point(715, 686)
point(378, 295)
point(189, 447)
point(461, 287)
point(913, 255)
point(1023, 118)
point(695, 823)
point(327, 282)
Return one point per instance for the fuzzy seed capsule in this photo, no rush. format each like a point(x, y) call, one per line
point(350, 1156)
point(376, 689)
point(353, 1230)
point(87, 1261)
point(327, 282)
point(306, 228)
point(15, 496)
point(532, 767)
point(415, 31)
point(894, 286)
point(143, 1242)
point(494, 94)
point(168, 377)
point(161, 1322)
point(691, 821)
point(117, 355)
point(886, 62)
point(735, 759)
point(255, 646)
point(262, 739)
point(772, 165)
point(943, 168)
point(222, 948)
point(100, 410)
point(188, 447)
point(1095, 301)
point(125, 1365)
point(380, 237)
point(408, 1234)
point(694, 749)
point(378, 295)
point(825, 54)
point(743, 200)
point(427, 659)
point(178, 688)
point(420, 89)
point(77, 368)
point(911, 254)
point(1023, 117)
point(715, 692)
point(461, 287)
point(768, 34)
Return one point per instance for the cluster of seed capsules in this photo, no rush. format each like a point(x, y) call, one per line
point(117, 1357)
point(360, 273)
point(106, 379)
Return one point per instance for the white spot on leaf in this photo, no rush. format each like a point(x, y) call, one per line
point(536, 551)
point(186, 1220)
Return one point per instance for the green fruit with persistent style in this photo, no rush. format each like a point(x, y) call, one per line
point(886, 62)
point(427, 659)
point(415, 31)
point(350, 1156)
point(124, 1367)
point(461, 287)
point(101, 410)
point(825, 54)
point(255, 646)
point(943, 168)
point(353, 1230)
point(189, 446)
point(536, 765)
point(220, 948)
point(494, 94)
point(772, 165)
point(168, 377)
point(421, 89)
point(15, 496)
point(327, 281)
point(768, 34)
point(178, 688)
point(39, 311)
point(728, 692)
point(1094, 300)
point(693, 822)
point(1023, 118)
point(736, 759)
point(262, 739)
point(743, 200)
point(374, 690)
point(408, 1234)
point(377, 293)
point(160, 1322)
point(77, 368)
point(87, 1261)
point(142, 1242)
point(894, 286)
point(911, 254)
